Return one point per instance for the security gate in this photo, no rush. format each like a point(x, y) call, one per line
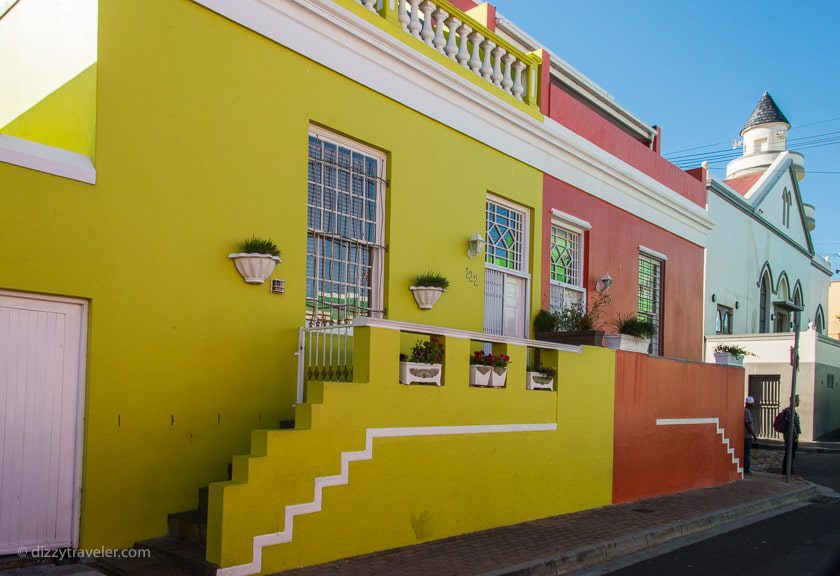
point(765, 390)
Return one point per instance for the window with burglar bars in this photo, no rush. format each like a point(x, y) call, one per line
point(565, 269)
point(344, 244)
point(650, 297)
point(505, 242)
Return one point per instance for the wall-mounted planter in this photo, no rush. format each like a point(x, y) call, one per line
point(498, 377)
point(426, 296)
point(487, 376)
point(627, 343)
point(420, 373)
point(254, 268)
point(728, 359)
point(580, 338)
point(538, 381)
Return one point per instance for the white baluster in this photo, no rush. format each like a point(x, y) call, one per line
point(427, 34)
point(487, 67)
point(463, 52)
point(369, 4)
point(452, 41)
point(440, 39)
point(414, 25)
point(497, 66)
point(507, 80)
point(402, 14)
point(518, 87)
point(475, 60)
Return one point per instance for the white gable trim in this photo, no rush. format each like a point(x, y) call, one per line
point(333, 36)
point(48, 159)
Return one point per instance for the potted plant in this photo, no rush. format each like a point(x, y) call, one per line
point(730, 354)
point(256, 259)
point(427, 288)
point(634, 334)
point(488, 370)
point(424, 365)
point(540, 378)
point(574, 324)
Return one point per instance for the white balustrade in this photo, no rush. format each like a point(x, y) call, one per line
point(447, 32)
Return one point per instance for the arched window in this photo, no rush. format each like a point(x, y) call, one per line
point(782, 315)
point(764, 303)
point(819, 321)
point(797, 294)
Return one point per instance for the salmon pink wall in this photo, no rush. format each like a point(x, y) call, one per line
point(612, 246)
point(577, 117)
point(649, 460)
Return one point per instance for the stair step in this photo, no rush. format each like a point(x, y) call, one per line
point(157, 565)
point(203, 497)
point(189, 557)
point(189, 526)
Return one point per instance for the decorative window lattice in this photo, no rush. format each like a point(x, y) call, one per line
point(565, 269)
point(650, 297)
point(344, 233)
point(505, 228)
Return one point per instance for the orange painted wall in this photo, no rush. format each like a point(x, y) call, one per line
point(613, 246)
point(649, 460)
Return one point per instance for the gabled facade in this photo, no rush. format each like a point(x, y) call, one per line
point(760, 260)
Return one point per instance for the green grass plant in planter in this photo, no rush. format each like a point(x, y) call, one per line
point(634, 334)
point(424, 365)
point(540, 378)
point(256, 259)
point(427, 288)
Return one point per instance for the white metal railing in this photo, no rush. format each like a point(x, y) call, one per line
point(326, 352)
point(464, 41)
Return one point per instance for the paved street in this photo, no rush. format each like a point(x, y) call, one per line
point(803, 541)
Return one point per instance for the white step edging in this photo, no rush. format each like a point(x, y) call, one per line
point(724, 440)
point(260, 542)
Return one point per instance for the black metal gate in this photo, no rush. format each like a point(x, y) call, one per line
point(765, 390)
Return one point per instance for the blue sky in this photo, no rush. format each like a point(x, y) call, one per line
point(697, 70)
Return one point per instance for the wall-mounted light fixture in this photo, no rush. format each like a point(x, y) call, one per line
point(475, 245)
point(604, 283)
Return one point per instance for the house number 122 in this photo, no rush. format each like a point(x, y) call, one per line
point(472, 278)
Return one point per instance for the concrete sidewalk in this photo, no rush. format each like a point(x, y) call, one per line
point(572, 542)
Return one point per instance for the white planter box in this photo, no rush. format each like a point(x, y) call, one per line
point(538, 381)
point(480, 375)
point(418, 372)
point(426, 296)
point(627, 343)
point(498, 377)
point(728, 359)
point(254, 268)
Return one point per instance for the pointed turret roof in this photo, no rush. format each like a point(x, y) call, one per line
point(766, 111)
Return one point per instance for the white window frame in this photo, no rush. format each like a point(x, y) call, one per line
point(377, 282)
point(574, 225)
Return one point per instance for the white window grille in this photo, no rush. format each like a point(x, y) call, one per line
point(505, 246)
point(506, 278)
point(345, 230)
point(565, 269)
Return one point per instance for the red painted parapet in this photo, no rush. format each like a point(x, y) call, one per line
point(674, 425)
point(576, 116)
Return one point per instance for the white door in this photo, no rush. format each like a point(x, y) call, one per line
point(41, 345)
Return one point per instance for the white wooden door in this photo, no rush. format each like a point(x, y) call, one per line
point(41, 362)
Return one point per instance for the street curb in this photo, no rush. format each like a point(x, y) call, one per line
point(810, 447)
point(588, 556)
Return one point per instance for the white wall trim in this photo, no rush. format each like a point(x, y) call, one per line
point(652, 252)
point(327, 33)
point(48, 159)
point(718, 428)
point(573, 222)
point(342, 479)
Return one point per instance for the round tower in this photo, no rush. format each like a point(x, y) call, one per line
point(765, 137)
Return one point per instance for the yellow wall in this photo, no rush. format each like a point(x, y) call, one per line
point(201, 139)
point(421, 488)
point(64, 119)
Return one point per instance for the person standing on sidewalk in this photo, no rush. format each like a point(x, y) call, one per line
point(797, 430)
point(749, 434)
